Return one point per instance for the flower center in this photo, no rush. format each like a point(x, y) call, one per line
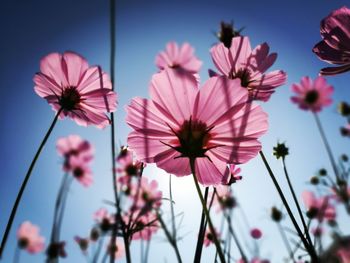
point(193, 137)
point(131, 170)
point(78, 172)
point(311, 97)
point(23, 243)
point(69, 99)
point(243, 75)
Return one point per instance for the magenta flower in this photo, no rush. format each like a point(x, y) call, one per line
point(319, 208)
point(128, 165)
point(213, 125)
point(175, 57)
point(74, 89)
point(241, 62)
point(74, 146)
point(145, 226)
point(223, 199)
point(81, 171)
point(104, 219)
point(29, 238)
point(335, 46)
point(312, 95)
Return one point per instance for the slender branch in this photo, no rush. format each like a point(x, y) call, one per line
point(306, 244)
point(24, 183)
point(204, 205)
point(172, 209)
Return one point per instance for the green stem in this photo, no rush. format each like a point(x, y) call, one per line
point(204, 205)
point(306, 244)
point(24, 183)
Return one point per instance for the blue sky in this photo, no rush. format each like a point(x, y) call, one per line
point(32, 29)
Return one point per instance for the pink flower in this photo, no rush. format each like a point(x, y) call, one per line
point(83, 243)
point(149, 195)
point(335, 46)
point(224, 198)
point(81, 171)
point(175, 57)
point(208, 237)
point(213, 125)
point(241, 62)
point(145, 226)
point(104, 219)
point(74, 146)
point(256, 233)
point(319, 208)
point(29, 238)
point(312, 95)
point(83, 93)
point(128, 166)
point(118, 249)
point(234, 175)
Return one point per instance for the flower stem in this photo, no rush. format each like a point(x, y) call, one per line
point(285, 241)
point(204, 205)
point(326, 144)
point(306, 244)
point(115, 188)
point(306, 230)
point(17, 255)
point(24, 183)
point(170, 239)
point(201, 232)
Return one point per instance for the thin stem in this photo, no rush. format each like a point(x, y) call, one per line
point(306, 230)
point(54, 238)
point(201, 232)
point(204, 205)
point(172, 209)
point(307, 246)
point(17, 255)
point(285, 241)
point(170, 239)
point(98, 250)
point(326, 144)
point(24, 183)
point(235, 238)
point(148, 245)
point(118, 217)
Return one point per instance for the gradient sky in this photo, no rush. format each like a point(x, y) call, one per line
point(32, 29)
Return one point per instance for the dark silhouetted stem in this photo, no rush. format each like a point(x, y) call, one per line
point(118, 217)
point(307, 246)
point(201, 232)
point(306, 229)
point(326, 144)
point(204, 205)
point(24, 183)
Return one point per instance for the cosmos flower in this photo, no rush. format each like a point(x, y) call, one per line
point(234, 175)
point(335, 46)
point(83, 243)
point(104, 219)
point(319, 208)
point(81, 171)
point(178, 57)
point(74, 89)
point(128, 165)
point(249, 66)
point(182, 122)
point(74, 146)
point(29, 238)
point(312, 95)
point(223, 199)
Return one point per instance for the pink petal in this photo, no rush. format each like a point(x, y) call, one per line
point(74, 66)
